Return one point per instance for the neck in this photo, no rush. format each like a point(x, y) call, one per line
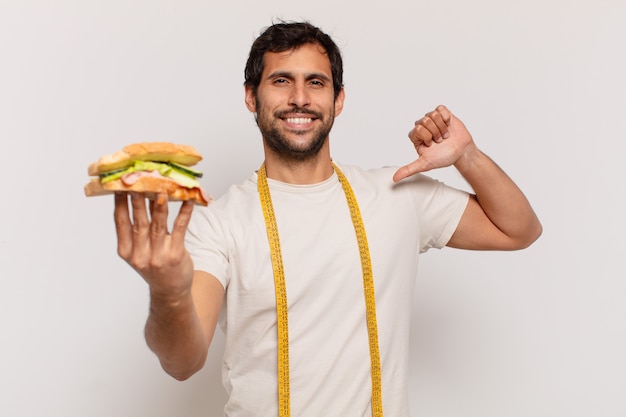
point(301, 173)
point(309, 171)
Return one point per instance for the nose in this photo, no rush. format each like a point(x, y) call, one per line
point(299, 96)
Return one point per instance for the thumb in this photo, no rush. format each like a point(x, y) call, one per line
point(413, 168)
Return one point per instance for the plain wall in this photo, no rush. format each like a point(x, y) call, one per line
point(540, 84)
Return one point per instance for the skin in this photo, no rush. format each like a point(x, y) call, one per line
point(498, 216)
point(296, 84)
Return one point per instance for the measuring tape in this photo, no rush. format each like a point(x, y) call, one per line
point(281, 294)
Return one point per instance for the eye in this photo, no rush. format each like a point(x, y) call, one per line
point(317, 83)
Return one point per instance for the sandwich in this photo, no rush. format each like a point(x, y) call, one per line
point(151, 168)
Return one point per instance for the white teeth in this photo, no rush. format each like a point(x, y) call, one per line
point(299, 120)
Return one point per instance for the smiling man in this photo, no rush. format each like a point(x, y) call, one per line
point(295, 106)
point(309, 265)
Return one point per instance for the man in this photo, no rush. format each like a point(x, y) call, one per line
point(310, 265)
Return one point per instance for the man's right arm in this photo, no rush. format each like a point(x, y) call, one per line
point(184, 304)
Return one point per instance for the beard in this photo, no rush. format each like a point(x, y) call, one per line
point(276, 138)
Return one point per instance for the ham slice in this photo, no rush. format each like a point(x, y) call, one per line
point(132, 177)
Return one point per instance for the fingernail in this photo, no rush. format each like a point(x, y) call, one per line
point(446, 135)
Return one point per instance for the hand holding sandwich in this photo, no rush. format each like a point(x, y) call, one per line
point(160, 172)
point(173, 330)
point(145, 243)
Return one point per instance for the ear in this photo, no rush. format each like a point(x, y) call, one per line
point(250, 99)
point(339, 102)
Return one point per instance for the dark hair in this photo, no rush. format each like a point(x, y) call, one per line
point(285, 36)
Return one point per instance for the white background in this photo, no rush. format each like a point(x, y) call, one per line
point(540, 84)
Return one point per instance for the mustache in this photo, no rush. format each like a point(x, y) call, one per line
point(299, 110)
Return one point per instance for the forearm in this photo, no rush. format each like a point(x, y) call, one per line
point(504, 204)
point(174, 333)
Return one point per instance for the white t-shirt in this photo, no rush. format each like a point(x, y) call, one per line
point(329, 350)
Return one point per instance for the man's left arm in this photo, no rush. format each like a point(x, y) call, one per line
point(498, 216)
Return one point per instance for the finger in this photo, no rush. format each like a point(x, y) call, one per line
point(415, 138)
point(445, 113)
point(179, 228)
point(430, 122)
point(413, 168)
point(420, 135)
point(140, 230)
point(439, 125)
point(123, 226)
point(158, 225)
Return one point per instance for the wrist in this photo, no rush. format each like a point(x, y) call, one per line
point(469, 160)
point(170, 297)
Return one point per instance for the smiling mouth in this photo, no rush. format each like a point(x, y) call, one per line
point(298, 120)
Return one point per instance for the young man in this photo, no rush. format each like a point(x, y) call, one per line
point(310, 265)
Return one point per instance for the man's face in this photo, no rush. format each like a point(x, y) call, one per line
point(295, 102)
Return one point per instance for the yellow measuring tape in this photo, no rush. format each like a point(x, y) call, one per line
point(281, 294)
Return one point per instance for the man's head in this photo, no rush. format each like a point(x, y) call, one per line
point(293, 87)
point(287, 36)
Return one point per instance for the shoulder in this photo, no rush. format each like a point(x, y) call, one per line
point(236, 195)
point(235, 205)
